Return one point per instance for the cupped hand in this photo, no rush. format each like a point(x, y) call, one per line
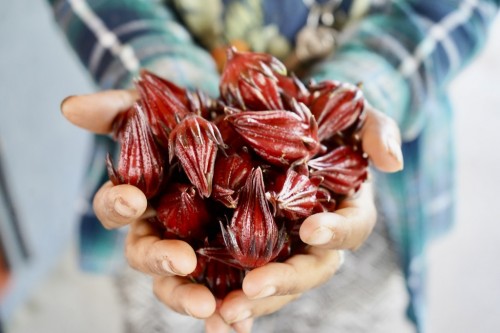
point(168, 261)
point(353, 221)
point(269, 288)
point(266, 289)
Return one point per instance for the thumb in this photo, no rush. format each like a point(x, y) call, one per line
point(96, 112)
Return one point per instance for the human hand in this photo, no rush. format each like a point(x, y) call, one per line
point(120, 205)
point(269, 288)
point(167, 261)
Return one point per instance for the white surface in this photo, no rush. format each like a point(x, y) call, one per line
point(465, 271)
point(41, 150)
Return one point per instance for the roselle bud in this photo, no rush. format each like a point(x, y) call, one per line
point(249, 81)
point(183, 212)
point(230, 174)
point(324, 200)
point(280, 137)
point(293, 88)
point(229, 135)
point(252, 237)
point(221, 279)
point(286, 251)
point(337, 109)
point(293, 195)
point(219, 253)
point(166, 86)
point(195, 141)
point(201, 104)
point(140, 162)
point(319, 88)
point(343, 170)
point(163, 109)
point(198, 275)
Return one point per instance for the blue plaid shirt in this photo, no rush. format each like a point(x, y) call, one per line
point(404, 52)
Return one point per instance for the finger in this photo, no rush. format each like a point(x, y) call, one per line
point(184, 297)
point(116, 206)
point(243, 326)
point(237, 307)
point(382, 141)
point(296, 275)
point(215, 324)
point(347, 227)
point(96, 112)
point(148, 253)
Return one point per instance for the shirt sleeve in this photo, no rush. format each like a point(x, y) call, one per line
point(406, 54)
point(115, 38)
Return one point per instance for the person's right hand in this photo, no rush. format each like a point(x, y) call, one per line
point(167, 261)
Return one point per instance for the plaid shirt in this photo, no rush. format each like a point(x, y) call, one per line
point(404, 52)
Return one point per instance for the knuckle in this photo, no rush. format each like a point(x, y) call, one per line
point(295, 296)
point(125, 98)
point(157, 288)
point(287, 283)
point(273, 304)
point(391, 122)
point(331, 268)
point(130, 256)
point(152, 259)
point(342, 234)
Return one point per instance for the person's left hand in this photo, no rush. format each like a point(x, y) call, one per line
point(269, 288)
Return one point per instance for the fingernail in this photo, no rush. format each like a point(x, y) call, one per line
point(123, 208)
point(266, 292)
point(341, 257)
point(167, 266)
point(242, 316)
point(244, 326)
point(61, 107)
point(320, 236)
point(394, 149)
point(188, 312)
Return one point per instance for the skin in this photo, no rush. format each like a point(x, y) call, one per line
point(265, 289)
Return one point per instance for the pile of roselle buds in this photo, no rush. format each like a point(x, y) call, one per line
point(235, 177)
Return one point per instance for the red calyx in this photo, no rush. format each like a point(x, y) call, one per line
point(230, 174)
point(293, 195)
point(280, 137)
point(343, 170)
point(195, 141)
point(140, 162)
point(336, 109)
point(252, 237)
point(163, 107)
point(249, 81)
point(183, 212)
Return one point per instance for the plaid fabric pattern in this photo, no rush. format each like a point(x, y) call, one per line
point(404, 52)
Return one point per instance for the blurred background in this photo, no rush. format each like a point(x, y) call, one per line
point(50, 294)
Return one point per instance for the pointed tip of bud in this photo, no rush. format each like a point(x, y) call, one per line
point(258, 175)
point(231, 52)
point(278, 67)
point(112, 173)
point(229, 111)
point(209, 179)
point(271, 198)
point(136, 80)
